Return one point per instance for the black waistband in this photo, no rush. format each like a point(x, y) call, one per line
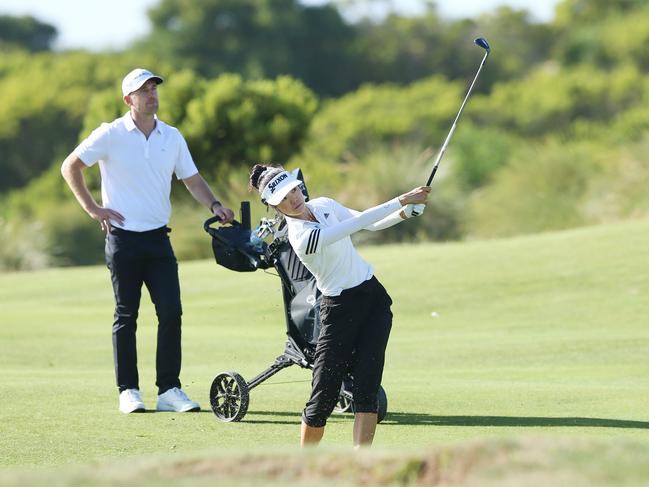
point(363, 286)
point(156, 231)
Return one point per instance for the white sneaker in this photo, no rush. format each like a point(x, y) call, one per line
point(176, 400)
point(130, 401)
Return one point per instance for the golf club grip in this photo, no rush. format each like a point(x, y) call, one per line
point(432, 175)
point(442, 151)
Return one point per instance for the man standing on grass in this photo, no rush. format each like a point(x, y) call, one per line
point(138, 155)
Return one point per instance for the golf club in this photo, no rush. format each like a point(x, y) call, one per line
point(482, 42)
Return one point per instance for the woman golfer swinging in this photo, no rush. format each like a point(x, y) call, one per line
point(355, 311)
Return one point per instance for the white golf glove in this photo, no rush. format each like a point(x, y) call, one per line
point(410, 210)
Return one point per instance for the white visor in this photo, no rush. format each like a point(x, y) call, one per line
point(278, 187)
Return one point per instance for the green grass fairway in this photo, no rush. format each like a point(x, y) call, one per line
point(541, 341)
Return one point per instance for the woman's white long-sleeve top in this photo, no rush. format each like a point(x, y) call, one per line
point(325, 246)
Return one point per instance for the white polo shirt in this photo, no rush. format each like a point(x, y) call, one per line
point(325, 247)
point(135, 171)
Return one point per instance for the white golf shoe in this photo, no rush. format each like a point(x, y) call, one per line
point(176, 400)
point(130, 401)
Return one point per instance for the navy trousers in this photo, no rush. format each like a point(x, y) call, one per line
point(134, 259)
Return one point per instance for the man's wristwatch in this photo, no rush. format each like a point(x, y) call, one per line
point(215, 203)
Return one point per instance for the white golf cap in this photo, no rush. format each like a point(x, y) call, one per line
point(135, 79)
point(278, 187)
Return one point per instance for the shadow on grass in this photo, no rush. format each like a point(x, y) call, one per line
point(296, 415)
point(419, 419)
point(509, 421)
point(470, 421)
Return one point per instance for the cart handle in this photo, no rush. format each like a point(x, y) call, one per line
point(254, 260)
point(209, 221)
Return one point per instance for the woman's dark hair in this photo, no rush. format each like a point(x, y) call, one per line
point(255, 174)
point(261, 174)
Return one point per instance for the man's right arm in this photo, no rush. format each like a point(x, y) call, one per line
point(72, 171)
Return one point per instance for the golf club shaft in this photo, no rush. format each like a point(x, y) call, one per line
point(450, 133)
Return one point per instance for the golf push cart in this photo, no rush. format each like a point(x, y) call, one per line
point(241, 249)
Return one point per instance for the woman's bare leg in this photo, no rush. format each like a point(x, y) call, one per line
point(364, 428)
point(310, 436)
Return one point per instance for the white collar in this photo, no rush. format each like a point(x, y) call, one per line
point(130, 124)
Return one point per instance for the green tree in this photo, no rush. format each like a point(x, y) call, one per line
point(519, 43)
point(478, 154)
point(373, 119)
point(237, 122)
point(255, 38)
point(26, 32)
point(268, 38)
point(586, 12)
point(605, 34)
point(555, 100)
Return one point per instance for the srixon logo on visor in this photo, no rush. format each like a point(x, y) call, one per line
point(273, 184)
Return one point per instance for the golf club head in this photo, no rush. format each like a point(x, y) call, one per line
point(482, 42)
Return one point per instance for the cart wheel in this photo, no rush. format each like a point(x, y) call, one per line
point(383, 404)
point(229, 397)
point(344, 405)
